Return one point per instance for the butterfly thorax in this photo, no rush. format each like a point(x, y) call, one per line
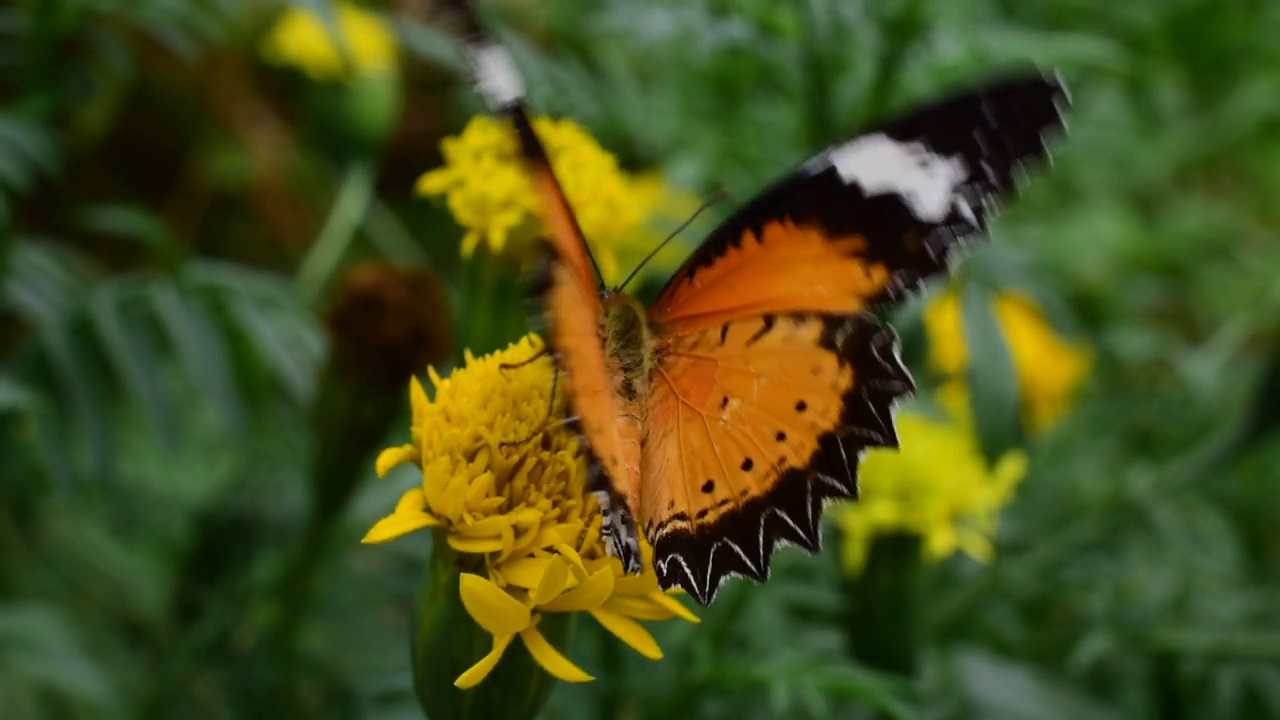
point(628, 344)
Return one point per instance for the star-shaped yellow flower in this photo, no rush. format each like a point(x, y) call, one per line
point(937, 485)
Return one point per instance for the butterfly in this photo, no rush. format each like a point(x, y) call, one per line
point(723, 418)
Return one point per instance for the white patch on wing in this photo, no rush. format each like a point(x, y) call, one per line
point(497, 78)
point(929, 183)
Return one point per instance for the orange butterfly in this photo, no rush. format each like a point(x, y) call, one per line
point(724, 417)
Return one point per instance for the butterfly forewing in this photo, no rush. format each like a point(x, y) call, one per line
point(771, 375)
point(891, 205)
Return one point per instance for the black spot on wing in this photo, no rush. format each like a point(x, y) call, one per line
point(741, 540)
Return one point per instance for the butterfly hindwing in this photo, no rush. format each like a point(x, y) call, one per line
point(863, 221)
point(753, 426)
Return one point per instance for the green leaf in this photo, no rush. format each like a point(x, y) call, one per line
point(128, 353)
point(38, 645)
point(993, 382)
point(127, 222)
point(15, 397)
point(288, 361)
point(1000, 689)
point(200, 349)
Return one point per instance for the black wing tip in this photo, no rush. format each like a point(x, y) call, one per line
point(741, 542)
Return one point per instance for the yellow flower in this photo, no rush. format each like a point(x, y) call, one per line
point(937, 486)
point(1049, 367)
point(519, 511)
point(489, 193)
point(363, 43)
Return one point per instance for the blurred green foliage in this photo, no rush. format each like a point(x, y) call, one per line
point(161, 348)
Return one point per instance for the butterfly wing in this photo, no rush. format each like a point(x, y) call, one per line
point(862, 222)
point(771, 375)
point(573, 308)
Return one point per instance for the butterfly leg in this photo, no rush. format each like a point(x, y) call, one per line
point(527, 361)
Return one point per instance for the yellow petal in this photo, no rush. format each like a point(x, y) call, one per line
point(478, 672)
point(575, 561)
point(508, 539)
point(484, 528)
point(491, 607)
point(397, 524)
point(412, 501)
point(525, 542)
point(475, 545)
point(392, 457)
point(550, 659)
point(525, 572)
point(630, 632)
point(640, 608)
point(418, 402)
point(590, 594)
point(454, 496)
point(434, 182)
point(553, 581)
point(676, 607)
point(469, 242)
point(435, 477)
point(637, 585)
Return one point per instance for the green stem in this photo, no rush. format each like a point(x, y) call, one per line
point(350, 205)
point(884, 619)
point(477, 320)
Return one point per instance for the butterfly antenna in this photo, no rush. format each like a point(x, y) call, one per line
point(715, 197)
point(499, 83)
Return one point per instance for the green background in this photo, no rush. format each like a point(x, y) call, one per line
point(185, 476)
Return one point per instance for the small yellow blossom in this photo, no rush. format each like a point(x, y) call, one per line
point(363, 44)
point(489, 193)
point(1049, 367)
point(520, 510)
point(937, 486)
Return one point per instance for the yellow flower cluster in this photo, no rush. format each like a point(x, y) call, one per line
point(358, 43)
point(937, 486)
point(490, 194)
point(1049, 367)
point(521, 510)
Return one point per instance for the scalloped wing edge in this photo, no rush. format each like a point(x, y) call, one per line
point(742, 541)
